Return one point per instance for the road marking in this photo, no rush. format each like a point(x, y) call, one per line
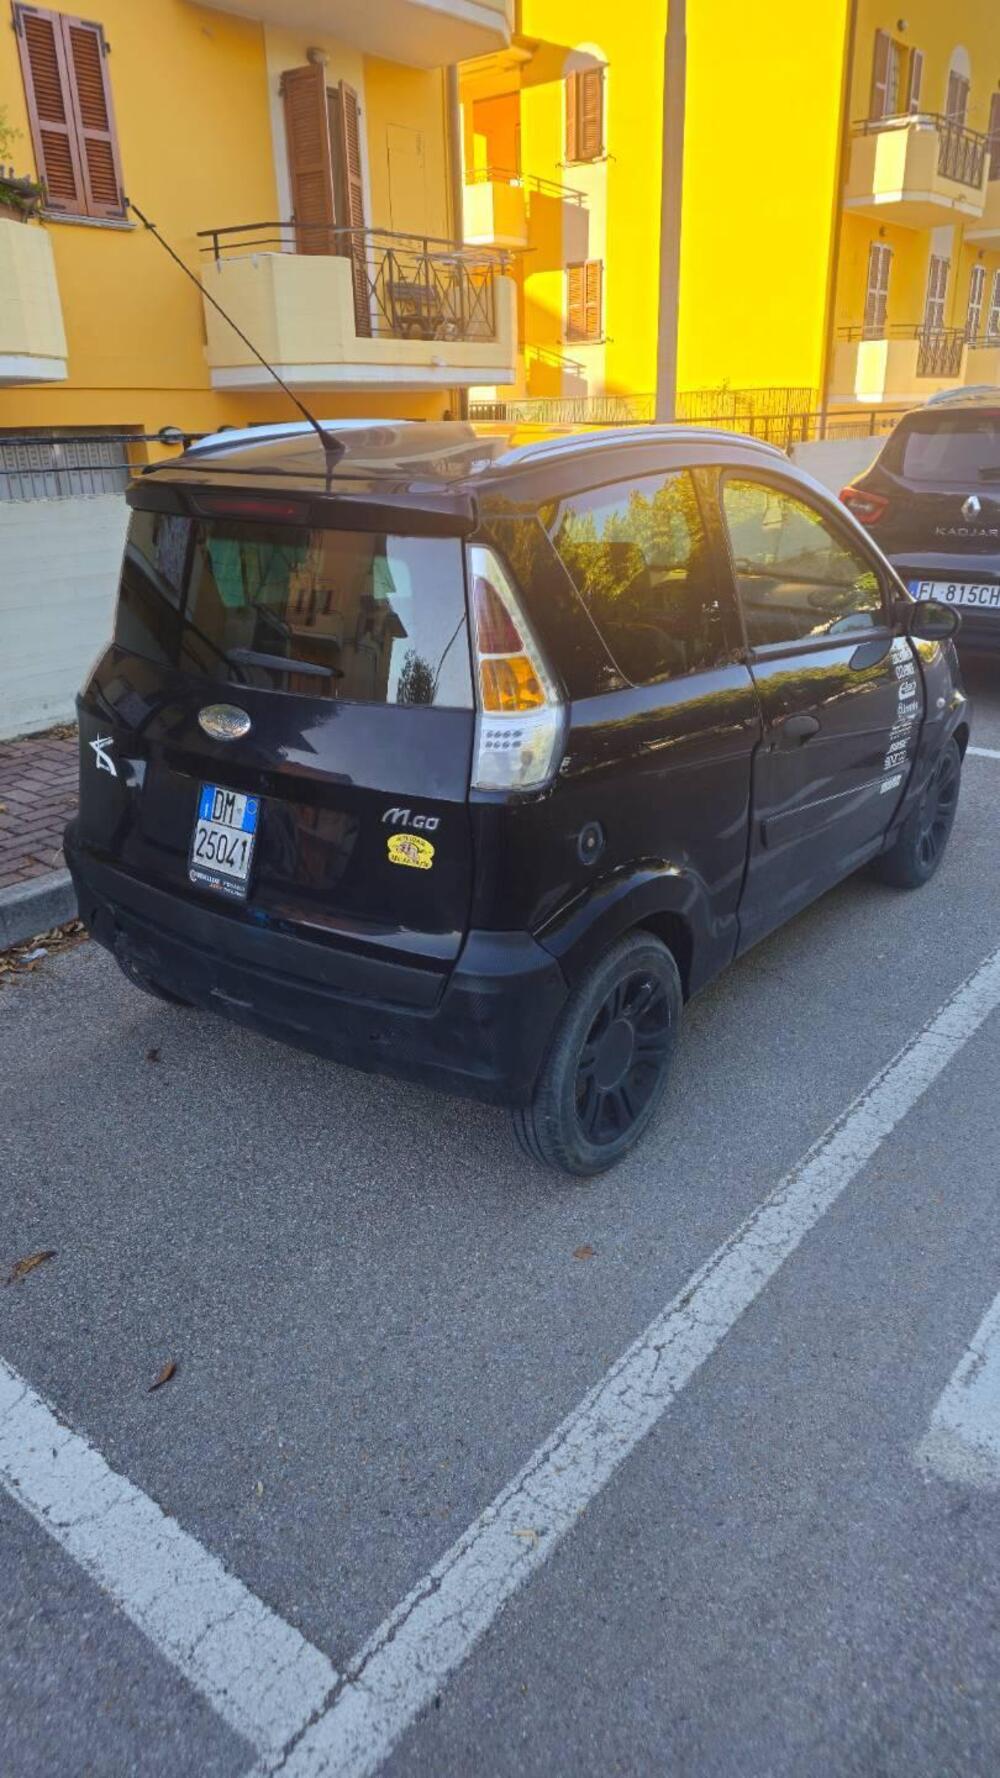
point(260, 1675)
point(984, 752)
point(411, 1656)
point(963, 1442)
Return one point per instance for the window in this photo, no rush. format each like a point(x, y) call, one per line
point(977, 289)
point(584, 291)
point(957, 448)
point(877, 293)
point(993, 138)
point(585, 115)
point(957, 102)
point(914, 79)
point(382, 616)
point(993, 319)
point(65, 72)
point(323, 142)
point(937, 291)
point(795, 577)
point(640, 560)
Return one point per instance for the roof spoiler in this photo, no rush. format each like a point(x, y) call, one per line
point(257, 501)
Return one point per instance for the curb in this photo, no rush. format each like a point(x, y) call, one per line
point(35, 906)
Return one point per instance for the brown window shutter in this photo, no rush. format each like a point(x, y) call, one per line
point(914, 80)
point(572, 118)
point(310, 162)
point(86, 56)
point(575, 323)
point(50, 108)
point(592, 298)
point(880, 75)
point(354, 202)
point(591, 114)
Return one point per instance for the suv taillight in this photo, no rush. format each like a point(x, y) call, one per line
point(869, 508)
point(519, 724)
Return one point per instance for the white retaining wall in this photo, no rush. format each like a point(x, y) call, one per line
point(59, 564)
point(836, 461)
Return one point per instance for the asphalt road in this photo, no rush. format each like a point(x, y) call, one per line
point(377, 1316)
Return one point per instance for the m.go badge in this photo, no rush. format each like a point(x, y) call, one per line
point(409, 848)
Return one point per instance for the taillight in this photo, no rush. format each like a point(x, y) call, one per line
point(520, 718)
point(869, 508)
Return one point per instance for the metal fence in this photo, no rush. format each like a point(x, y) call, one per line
point(961, 152)
point(67, 465)
point(549, 188)
point(782, 429)
point(405, 286)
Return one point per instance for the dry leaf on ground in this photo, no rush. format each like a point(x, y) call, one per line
point(28, 1264)
point(584, 1252)
point(165, 1375)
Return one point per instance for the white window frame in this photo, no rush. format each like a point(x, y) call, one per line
point(977, 292)
point(993, 317)
point(935, 302)
point(877, 290)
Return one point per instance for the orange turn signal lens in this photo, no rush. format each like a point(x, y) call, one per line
point(509, 684)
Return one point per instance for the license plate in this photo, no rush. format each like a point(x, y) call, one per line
point(223, 840)
point(957, 592)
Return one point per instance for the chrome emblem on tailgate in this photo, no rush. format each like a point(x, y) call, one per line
point(224, 722)
point(972, 507)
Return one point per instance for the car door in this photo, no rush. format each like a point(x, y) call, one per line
point(841, 700)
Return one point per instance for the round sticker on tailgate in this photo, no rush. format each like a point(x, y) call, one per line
point(409, 848)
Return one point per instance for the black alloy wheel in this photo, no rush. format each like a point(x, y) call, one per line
point(609, 1059)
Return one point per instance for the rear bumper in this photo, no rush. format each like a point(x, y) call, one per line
point(485, 1035)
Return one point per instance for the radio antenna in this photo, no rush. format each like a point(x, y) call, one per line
point(333, 449)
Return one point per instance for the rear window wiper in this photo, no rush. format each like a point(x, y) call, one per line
point(280, 663)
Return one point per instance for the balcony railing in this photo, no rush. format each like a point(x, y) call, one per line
point(405, 286)
point(961, 152)
point(939, 349)
point(550, 188)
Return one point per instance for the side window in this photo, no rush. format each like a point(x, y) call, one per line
point(795, 577)
point(639, 557)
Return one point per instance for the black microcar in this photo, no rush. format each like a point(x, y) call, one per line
point(470, 760)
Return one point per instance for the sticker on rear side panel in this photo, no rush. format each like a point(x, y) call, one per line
point(409, 848)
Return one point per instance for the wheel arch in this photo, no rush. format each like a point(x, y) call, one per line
point(655, 897)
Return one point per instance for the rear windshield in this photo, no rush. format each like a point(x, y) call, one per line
point(952, 448)
point(357, 615)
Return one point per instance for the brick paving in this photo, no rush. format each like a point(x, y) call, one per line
point(38, 784)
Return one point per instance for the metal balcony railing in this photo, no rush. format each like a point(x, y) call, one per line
point(939, 349)
point(405, 286)
point(550, 188)
point(961, 151)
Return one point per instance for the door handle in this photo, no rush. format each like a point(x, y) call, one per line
point(799, 727)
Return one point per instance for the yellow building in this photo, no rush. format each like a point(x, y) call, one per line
point(295, 155)
point(840, 235)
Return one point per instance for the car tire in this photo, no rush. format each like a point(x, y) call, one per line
point(920, 845)
point(607, 1065)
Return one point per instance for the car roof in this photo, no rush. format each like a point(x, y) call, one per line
point(977, 395)
point(447, 462)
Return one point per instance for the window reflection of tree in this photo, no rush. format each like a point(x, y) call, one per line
point(641, 564)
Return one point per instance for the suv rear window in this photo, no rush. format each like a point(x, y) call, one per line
point(382, 616)
point(952, 448)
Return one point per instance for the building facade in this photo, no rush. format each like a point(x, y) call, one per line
point(294, 153)
point(841, 186)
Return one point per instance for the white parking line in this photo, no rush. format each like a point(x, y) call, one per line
point(410, 1657)
point(260, 1675)
point(963, 1443)
point(984, 752)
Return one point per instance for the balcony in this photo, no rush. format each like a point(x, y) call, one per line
point(32, 338)
point(986, 232)
point(917, 171)
point(901, 367)
point(502, 208)
point(983, 361)
point(422, 33)
point(362, 309)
